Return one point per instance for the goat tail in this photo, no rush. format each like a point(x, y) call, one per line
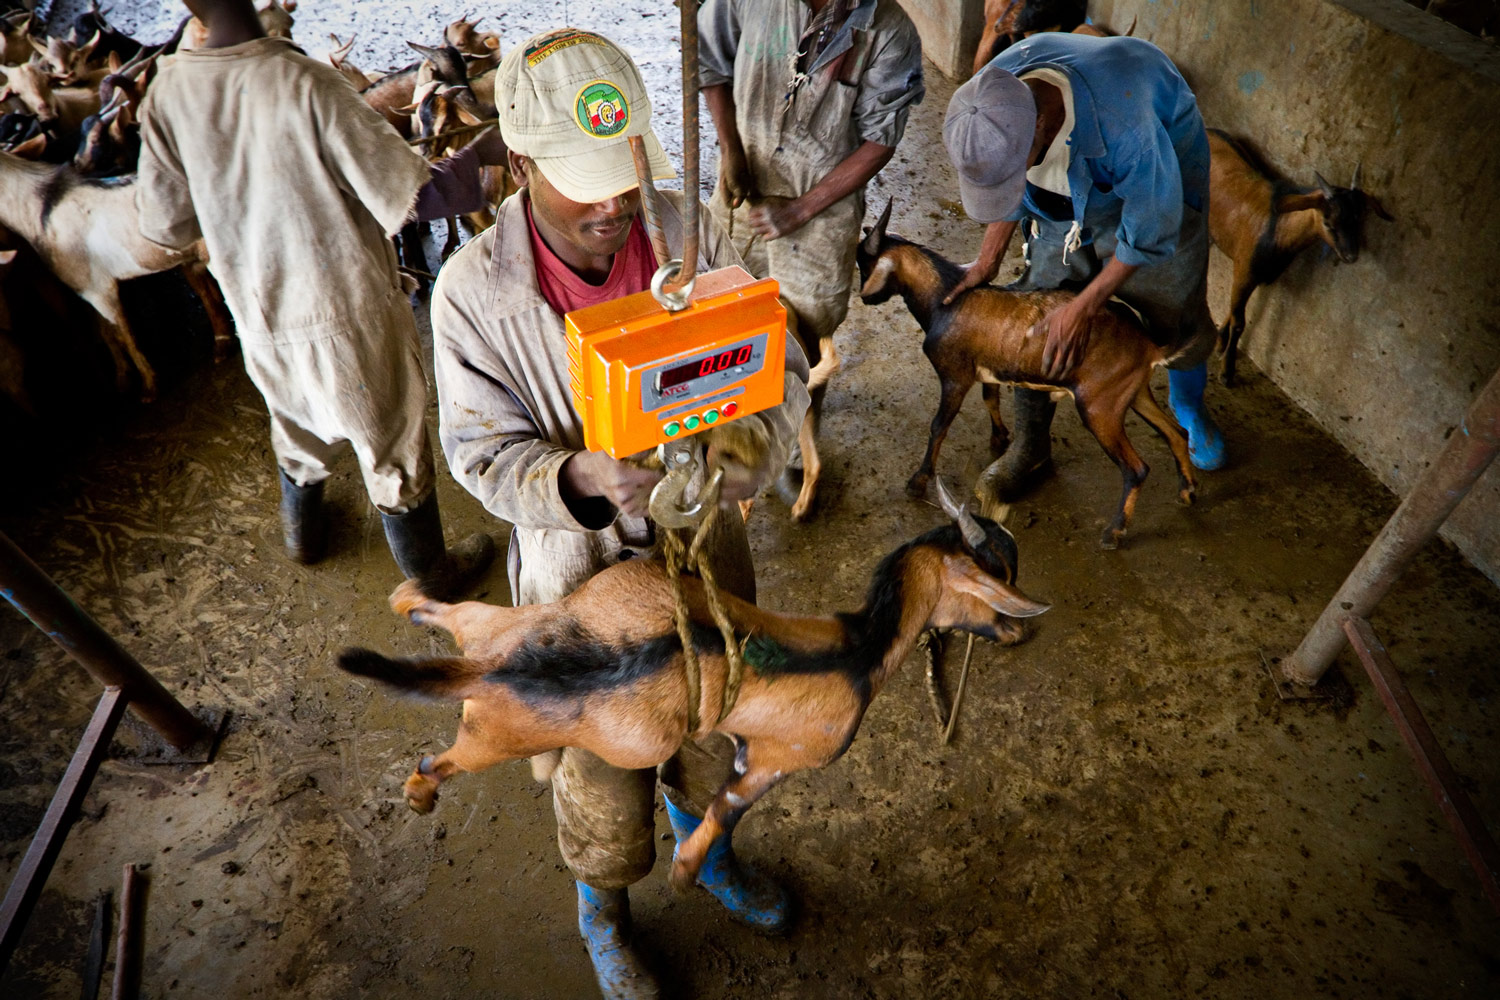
point(442, 677)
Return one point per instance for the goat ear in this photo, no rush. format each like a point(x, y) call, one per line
point(1373, 203)
point(39, 46)
point(31, 149)
point(492, 42)
point(427, 52)
point(966, 578)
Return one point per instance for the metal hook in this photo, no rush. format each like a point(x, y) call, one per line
point(675, 300)
point(682, 460)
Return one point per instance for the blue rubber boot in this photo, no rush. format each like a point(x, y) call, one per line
point(750, 897)
point(1185, 395)
point(604, 922)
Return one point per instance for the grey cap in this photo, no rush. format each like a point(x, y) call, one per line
point(989, 129)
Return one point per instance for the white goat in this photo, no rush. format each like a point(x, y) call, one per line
point(88, 232)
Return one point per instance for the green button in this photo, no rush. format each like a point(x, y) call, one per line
point(691, 423)
point(711, 417)
point(671, 429)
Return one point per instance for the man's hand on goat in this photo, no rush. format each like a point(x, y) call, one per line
point(981, 272)
point(626, 484)
point(1067, 331)
point(773, 218)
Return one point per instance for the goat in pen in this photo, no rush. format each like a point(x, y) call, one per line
point(984, 336)
point(602, 668)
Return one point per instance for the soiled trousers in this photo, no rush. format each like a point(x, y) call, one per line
point(365, 389)
point(606, 829)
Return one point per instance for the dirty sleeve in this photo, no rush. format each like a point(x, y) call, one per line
point(718, 40)
point(163, 200)
point(890, 86)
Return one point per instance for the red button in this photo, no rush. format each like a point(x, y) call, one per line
point(729, 409)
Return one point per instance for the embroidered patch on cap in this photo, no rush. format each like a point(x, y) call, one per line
point(558, 40)
point(601, 110)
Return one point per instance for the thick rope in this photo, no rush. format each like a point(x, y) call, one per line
point(688, 558)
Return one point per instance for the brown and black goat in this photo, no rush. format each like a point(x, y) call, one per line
point(1008, 21)
point(1261, 223)
point(984, 336)
point(602, 668)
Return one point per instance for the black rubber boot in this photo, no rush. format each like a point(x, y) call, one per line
point(416, 541)
point(303, 530)
point(1028, 460)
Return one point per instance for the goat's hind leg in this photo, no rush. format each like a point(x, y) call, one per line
point(999, 433)
point(764, 765)
point(1108, 428)
point(1145, 404)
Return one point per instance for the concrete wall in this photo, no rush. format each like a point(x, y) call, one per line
point(1385, 354)
point(950, 32)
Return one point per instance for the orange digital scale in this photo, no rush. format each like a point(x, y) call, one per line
point(644, 376)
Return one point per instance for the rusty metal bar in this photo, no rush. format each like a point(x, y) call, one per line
point(689, 148)
point(1475, 840)
point(33, 593)
point(127, 982)
point(1469, 451)
point(26, 888)
point(648, 201)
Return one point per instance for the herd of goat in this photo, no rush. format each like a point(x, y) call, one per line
point(69, 145)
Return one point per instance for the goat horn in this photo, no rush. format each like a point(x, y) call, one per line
point(973, 534)
point(1354, 184)
point(876, 234)
point(424, 50)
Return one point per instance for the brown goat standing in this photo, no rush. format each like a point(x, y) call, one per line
point(602, 668)
point(983, 336)
point(1260, 224)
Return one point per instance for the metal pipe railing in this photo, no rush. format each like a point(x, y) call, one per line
point(1440, 488)
point(33, 593)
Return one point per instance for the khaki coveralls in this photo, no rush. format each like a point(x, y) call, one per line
point(796, 128)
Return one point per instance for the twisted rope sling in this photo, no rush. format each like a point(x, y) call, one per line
point(682, 557)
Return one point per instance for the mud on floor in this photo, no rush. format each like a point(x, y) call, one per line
point(1127, 809)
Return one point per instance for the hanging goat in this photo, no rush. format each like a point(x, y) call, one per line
point(602, 668)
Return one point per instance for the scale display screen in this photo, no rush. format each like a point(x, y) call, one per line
point(732, 357)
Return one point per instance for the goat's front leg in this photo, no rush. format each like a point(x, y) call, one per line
point(948, 407)
point(117, 336)
point(763, 766)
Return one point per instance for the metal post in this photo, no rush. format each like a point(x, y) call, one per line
point(33, 593)
point(26, 887)
point(1469, 451)
point(689, 147)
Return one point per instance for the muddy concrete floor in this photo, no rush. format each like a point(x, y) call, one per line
point(1127, 809)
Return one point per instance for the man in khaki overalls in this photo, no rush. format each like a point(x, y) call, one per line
point(810, 98)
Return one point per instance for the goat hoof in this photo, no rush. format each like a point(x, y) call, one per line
point(1111, 539)
point(682, 880)
point(916, 487)
point(1186, 497)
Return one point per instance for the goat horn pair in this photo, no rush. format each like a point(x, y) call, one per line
point(973, 534)
point(872, 241)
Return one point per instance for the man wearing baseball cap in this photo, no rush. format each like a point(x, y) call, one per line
point(1096, 147)
point(572, 236)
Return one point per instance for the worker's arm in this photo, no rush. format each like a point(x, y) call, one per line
point(734, 167)
point(1067, 327)
point(991, 252)
point(777, 217)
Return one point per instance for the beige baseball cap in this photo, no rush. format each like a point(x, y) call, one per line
point(571, 100)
